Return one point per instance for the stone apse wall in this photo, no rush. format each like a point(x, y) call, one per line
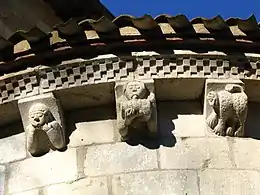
point(185, 158)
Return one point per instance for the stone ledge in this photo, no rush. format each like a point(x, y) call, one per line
point(89, 133)
point(91, 82)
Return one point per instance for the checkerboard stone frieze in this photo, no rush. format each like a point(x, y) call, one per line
point(117, 69)
point(18, 87)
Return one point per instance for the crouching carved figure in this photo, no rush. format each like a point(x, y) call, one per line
point(229, 110)
point(43, 128)
point(136, 110)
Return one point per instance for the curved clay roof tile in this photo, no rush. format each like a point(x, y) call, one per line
point(249, 24)
point(145, 23)
point(179, 21)
point(216, 23)
point(69, 28)
point(103, 25)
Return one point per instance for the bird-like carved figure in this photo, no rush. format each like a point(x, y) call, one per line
point(229, 111)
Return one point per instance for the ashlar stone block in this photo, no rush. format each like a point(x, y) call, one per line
point(136, 108)
point(2, 179)
point(30, 192)
point(225, 107)
point(118, 158)
point(12, 148)
point(157, 182)
point(88, 186)
point(229, 182)
point(246, 153)
point(52, 168)
point(188, 153)
point(43, 122)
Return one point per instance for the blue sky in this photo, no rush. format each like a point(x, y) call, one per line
point(191, 8)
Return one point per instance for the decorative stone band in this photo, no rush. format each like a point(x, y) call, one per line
point(76, 74)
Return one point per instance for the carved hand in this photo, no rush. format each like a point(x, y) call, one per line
point(151, 98)
point(129, 112)
point(46, 127)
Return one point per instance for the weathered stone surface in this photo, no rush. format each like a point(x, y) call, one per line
point(52, 168)
point(118, 158)
point(227, 182)
point(220, 153)
point(2, 180)
point(246, 153)
point(88, 186)
point(85, 95)
point(43, 122)
point(88, 133)
point(12, 148)
point(188, 153)
point(225, 106)
point(30, 192)
point(136, 108)
point(151, 183)
point(183, 119)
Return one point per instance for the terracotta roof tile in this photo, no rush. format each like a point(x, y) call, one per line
point(124, 28)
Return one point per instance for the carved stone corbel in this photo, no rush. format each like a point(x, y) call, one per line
point(136, 108)
point(226, 107)
point(43, 123)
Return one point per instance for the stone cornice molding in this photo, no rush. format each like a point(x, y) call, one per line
point(46, 79)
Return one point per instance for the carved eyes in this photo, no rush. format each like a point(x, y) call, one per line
point(136, 87)
point(37, 115)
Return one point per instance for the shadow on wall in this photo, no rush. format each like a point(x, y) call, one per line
point(11, 129)
point(167, 113)
point(252, 126)
point(90, 114)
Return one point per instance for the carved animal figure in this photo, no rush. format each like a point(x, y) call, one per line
point(41, 124)
point(229, 110)
point(137, 108)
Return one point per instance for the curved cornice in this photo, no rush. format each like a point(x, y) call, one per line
point(87, 72)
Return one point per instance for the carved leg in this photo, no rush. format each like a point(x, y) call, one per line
point(212, 120)
point(123, 129)
point(124, 134)
point(220, 128)
point(240, 131)
point(152, 126)
point(32, 141)
point(231, 130)
point(55, 135)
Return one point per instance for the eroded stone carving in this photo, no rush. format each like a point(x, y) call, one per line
point(229, 110)
point(136, 109)
point(41, 120)
point(43, 123)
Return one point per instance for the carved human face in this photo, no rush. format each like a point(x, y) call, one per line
point(38, 115)
point(135, 90)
